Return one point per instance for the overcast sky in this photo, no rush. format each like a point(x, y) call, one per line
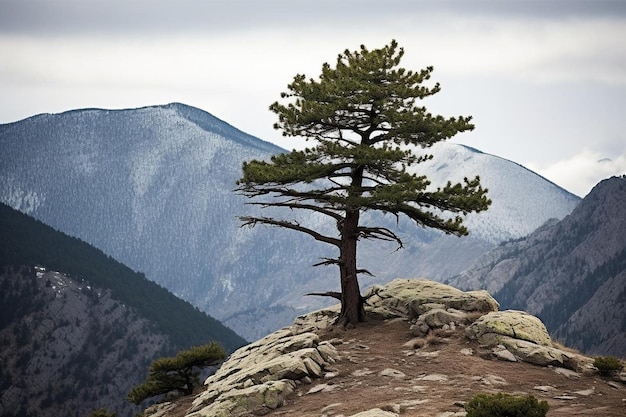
point(544, 80)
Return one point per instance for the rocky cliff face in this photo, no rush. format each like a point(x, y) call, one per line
point(570, 273)
point(69, 348)
point(153, 187)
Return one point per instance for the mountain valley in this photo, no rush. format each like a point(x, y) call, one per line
point(153, 188)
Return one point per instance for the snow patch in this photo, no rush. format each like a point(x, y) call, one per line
point(19, 197)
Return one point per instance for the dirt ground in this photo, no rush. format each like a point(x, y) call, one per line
point(437, 378)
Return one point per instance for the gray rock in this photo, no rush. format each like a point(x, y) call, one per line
point(567, 373)
point(565, 397)
point(525, 337)
point(330, 407)
point(322, 388)
point(511, 323)
point(392, 373)
point(433, 378)
point(375, 412)
point(362, 372)
point(544, 388)
point(586, 392)
point(414, 297)
point(614, 385)
point(502, 353)
point(493, 380)
point(438, 318)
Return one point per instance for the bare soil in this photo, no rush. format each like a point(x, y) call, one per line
point(437, 378)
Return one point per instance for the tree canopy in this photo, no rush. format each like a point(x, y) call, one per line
point(177, 374)
point(365, 118)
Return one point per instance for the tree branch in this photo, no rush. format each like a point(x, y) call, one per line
point(333, 294)
point(380, 233)
point(253, 221)
point(311, 207)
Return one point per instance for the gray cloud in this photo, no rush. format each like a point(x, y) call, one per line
point(545, 80)
point(151, 16)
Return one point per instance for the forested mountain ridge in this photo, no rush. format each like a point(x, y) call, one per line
point(153, 187)
point(571, 273)
point(26, 241)
point(68, 348)
point(77, 328)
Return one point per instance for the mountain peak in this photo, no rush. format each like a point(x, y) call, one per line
point(211, 123)
point(610, 185)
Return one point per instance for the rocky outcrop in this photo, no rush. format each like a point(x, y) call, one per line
point(261, 376)
point(414, 297)
point(517, 335)
point(431, 305)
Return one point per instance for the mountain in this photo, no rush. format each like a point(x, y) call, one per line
point(570, 273)
point(153, 187)
point(77, 328)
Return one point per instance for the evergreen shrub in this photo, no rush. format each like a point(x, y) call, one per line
point(505, 405)
point(608, 364)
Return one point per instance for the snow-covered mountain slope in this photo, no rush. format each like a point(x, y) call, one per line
point(521, 199)
point(153, 187)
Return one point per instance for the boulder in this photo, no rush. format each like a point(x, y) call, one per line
point(438, 318)
point(525, 337)
point(316, 320)
point(514, 324)
point(414, 297)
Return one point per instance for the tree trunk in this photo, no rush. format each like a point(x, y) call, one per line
point(351, 303)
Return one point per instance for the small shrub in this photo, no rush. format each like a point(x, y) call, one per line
point(103, 412)
point(607, 364)
point(505, 405)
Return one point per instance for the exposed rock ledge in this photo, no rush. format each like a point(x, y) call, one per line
point(260, 376)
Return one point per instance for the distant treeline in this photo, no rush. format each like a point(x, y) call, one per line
point(27, 241)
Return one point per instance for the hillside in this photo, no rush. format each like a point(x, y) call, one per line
point(570, 273)
point(438, 379)
point(69, 348)
point(77, 328)
point(425, 350)
point(153, 188)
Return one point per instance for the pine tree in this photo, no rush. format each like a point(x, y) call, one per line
point(364, 118)
point(177, 374)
